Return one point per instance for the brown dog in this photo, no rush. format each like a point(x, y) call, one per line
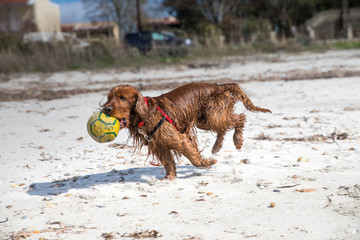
point(166, 123)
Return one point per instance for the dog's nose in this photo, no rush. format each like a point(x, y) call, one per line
point(107, 110)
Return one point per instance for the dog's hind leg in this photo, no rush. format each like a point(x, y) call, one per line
point(239, 123)
point(218, 142)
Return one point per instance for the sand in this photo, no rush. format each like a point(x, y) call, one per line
point(296, 177)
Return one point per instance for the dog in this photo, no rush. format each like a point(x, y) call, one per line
point(166, 124)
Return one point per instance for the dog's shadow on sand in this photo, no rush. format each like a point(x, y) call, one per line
point(124, 176)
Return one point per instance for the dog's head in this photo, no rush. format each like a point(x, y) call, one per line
point(122, 101)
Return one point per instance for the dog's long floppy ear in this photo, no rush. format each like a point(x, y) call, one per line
point(140, 107)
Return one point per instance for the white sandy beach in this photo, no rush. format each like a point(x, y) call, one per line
point(303, 160)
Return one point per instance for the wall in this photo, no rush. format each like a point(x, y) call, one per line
point(47, 16)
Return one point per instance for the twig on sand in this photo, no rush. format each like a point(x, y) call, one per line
point(288, 186)
point(251, 236)
point(329, 203)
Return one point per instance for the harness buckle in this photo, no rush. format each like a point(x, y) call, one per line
point(142, 132)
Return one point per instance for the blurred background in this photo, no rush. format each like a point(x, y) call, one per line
point(58, 35)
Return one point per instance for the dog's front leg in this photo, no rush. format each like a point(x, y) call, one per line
point(186, 145)
point(170, 166)
point(167, 159)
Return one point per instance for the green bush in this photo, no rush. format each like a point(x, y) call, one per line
point(347, 45)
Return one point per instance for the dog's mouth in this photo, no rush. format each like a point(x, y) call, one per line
point(123, 122)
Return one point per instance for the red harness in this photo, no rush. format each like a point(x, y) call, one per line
point(167, 118)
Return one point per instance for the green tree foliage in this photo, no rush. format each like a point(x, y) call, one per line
point(187, 11)
point(248, 16)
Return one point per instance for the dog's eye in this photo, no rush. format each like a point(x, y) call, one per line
point(122, 98)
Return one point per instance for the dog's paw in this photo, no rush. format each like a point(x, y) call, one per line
point(207, 162)
point(215, 149)
point(169, 177)
point(211, 161)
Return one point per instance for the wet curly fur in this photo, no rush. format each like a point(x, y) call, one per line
point(202, 105)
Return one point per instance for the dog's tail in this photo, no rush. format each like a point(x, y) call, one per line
point(239, 94)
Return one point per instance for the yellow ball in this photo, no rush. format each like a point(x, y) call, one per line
point(103, 128)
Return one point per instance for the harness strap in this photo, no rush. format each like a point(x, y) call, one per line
point(165, 117)
point(156, 128)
